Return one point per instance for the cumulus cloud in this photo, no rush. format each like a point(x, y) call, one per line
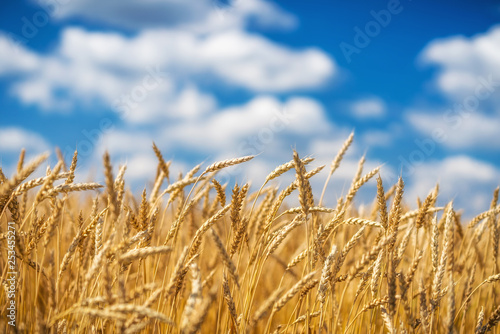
point(250, 127)
point(154, 73)
point(467, 181)
point(13, 139)
point(140, 166)
point(122, 141)
point(257, 64)
point(373, 138)
point(209, 14)
point(264, 126)
point(15, 58)
point(161, 78)
point(368, 108)
point(468, 76)
point(135, 14)
point(463, 62)
point(456, 130)
point(244, 129)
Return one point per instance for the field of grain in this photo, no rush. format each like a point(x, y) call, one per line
point(194, 256)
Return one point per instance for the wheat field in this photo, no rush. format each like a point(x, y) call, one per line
point(196, 256)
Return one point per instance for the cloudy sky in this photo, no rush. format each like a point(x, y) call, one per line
point(418, 81)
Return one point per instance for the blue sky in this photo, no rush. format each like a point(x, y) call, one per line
point(209, 79)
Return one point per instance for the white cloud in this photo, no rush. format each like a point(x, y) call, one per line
point(327, 148)
point(140, 166)
point(13, 139)
point(465, 180)
point(161, 77)
point(15, 58)
point(373, 138)
point(130, 147)
point(264, 126)
point(250, 127)
point(458, 131)
point(154, 73)
point(239, 13)
point(164, 103)
point(265, 13)
point(469, 77)
point(135, 14)
point(123, 141)
point(256, 63)
point(463, 61)
point(209, 14)
point(368, 108)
